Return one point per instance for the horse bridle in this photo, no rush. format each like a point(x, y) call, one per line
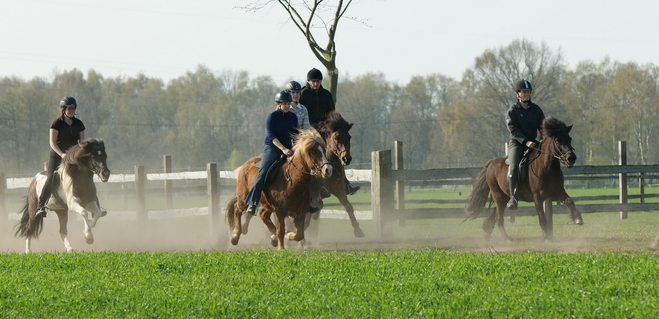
point(318, 168)
point(562, 157)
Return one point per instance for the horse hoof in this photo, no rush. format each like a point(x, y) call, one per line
point(105, 212)
point(359, 233)
point(245, 229)
point(579, 221)
point(234, 241)
point(274, 242)
point(89, 240)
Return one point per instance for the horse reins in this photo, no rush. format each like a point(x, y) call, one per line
point(311, 173)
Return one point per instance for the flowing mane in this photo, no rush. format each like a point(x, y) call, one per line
point(303, 142)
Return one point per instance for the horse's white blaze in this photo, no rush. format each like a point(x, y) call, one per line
point(328, 171)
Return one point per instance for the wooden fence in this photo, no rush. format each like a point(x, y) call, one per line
point(387, 179)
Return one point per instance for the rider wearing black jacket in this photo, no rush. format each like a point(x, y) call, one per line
point(523, 119)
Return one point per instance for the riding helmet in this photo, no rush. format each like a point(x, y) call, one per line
point(314, 74)
point(68, 101)
point(523, 85)
point(293, 86)
point(283, 96)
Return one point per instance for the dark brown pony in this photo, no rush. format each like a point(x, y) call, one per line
point(287, 195)
point(542, 180)
point(73, 189)
point(335, 132)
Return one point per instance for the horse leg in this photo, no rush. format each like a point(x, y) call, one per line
point(575, 215)
point(97, 212)
point(63, 217)
point(245, 226)
point(238, 209)
point(280, 229)
point(500, 220)
point(546, 234)
point(488, 226)
point(298, 235)
point(74, 205)
point(265, 217)
point(343, 199)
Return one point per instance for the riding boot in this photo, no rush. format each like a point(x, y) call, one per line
point(352, 190)
point(512, 186)
point(41, 207)
point(324, 193)
point(251, 209)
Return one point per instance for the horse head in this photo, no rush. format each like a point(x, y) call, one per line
point(335, 131)
point(310, 146)
point(93, 150)
point(556, 131)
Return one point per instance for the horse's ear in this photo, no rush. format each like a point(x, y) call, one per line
point(569, 128)
point(350, 126)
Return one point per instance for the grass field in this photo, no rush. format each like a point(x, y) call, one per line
point(426, 283)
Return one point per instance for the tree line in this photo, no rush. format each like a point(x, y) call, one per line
point(205, 116)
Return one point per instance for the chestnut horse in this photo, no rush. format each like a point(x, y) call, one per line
point(288, 194)
point(540, 179)
point(335, 132)
point(73, 189)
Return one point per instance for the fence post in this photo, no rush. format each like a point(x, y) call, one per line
point(641, 187)
point(4, 216)
point(622, 154)
point(140, 182)
point(167, 168)
point(400, 185)
point(382, 196)
point(213, 198)
point(549, 216)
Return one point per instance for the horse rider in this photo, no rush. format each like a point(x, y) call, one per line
point(524, 119)
point(319, 101)
point(280, 125)
point(65, 132)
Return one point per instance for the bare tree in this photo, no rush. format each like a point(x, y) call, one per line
point(307, 16)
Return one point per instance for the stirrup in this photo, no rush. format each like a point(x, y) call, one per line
point(251, 209)
point(512, 204)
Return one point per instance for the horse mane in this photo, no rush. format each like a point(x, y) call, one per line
point(332, 122)
point(304, 140)
point(77, 152)
point(552, 127)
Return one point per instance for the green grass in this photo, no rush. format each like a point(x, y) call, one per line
point(425, 283)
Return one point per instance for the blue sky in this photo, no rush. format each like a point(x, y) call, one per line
point(401, 39)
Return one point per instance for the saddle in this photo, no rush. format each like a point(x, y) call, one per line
point(271, 173)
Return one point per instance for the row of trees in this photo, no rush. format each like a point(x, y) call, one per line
point(205, 116)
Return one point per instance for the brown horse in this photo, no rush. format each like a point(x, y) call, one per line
point(73, 189)
point(335, 132)
point(542, 180)
point(287, 195)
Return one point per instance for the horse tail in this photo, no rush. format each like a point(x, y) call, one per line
point(230, 211)
point(29, 226)
point(479, 194)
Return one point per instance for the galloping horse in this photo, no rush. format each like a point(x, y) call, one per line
point(335, 132)
point(542, 180)
point(288, 194)
point(73, 189)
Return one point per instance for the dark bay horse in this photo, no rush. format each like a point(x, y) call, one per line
point(335, 132)
point(287, 195)
point(543, 180)
point(73, 189)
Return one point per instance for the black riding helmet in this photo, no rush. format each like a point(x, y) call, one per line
point(283, 96)
point(523, 85)
point(293, 86)
point(68, 101)
point(314, 74)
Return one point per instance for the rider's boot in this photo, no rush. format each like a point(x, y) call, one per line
point(251, 209)
point(512, 186)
